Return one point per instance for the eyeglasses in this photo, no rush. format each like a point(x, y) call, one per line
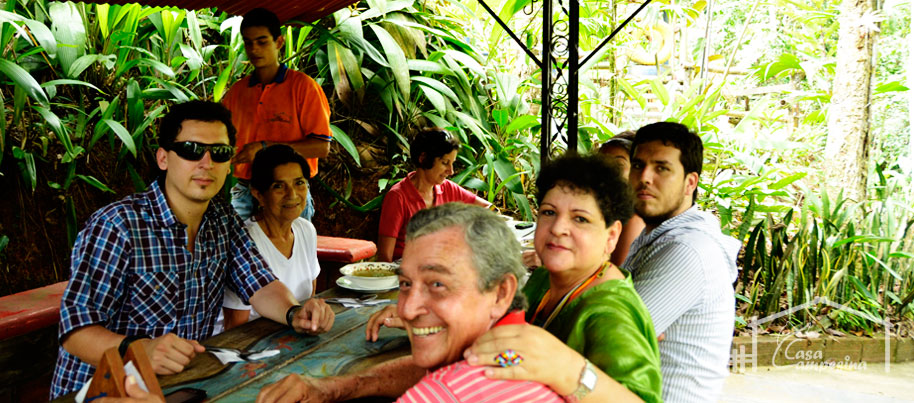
point(194, 151)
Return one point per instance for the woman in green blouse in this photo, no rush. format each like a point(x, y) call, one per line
point(591, 337)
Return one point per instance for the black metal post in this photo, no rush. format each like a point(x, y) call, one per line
point(571, 130)
point(546, 84)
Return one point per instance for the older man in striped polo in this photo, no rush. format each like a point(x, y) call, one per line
point(681, 264)
point(459, 278)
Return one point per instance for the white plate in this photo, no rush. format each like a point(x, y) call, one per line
point(344, 283)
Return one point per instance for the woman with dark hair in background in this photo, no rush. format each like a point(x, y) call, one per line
point(618, 149)
point(433, 153)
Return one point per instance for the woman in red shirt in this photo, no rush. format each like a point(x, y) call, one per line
point(433, 153)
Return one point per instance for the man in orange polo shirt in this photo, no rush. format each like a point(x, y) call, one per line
point(274, 105)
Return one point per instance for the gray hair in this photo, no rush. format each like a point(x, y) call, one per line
point(496, 251)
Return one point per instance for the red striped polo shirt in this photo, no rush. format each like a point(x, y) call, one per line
point(461, 382)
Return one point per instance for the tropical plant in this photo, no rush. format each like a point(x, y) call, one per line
point(827, 252)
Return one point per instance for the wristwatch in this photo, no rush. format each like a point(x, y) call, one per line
point(586, 383)
point(290, 314)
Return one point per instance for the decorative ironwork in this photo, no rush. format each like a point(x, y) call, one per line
point(560, 39)
point(559, 68)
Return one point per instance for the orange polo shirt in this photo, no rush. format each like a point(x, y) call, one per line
point(289, 109)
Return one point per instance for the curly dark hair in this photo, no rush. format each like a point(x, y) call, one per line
point(204, 111)
point(434, 142)
point(594, 174)
point(261, 17)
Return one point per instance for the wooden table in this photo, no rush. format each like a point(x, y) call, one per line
point(341, 350)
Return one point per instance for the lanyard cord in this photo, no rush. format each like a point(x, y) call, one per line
point(569, 296)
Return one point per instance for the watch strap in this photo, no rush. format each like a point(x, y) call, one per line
point(290, 314)
point(586, 383)
point(125, 343)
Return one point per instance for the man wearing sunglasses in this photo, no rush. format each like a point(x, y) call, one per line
point(274, 105)
point(152, 268)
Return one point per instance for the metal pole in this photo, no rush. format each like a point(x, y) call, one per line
point(546, 81)
point(573, 23)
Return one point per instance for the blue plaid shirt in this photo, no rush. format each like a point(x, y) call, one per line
point(132, 274)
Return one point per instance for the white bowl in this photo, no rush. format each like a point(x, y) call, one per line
point(386, 281)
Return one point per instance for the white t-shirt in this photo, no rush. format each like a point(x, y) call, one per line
point(296, 272)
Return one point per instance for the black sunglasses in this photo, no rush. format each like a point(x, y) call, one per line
point(194, 151)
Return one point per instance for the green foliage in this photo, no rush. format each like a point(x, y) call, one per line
point(107, 81)
point(85, 79)
point(820, 249)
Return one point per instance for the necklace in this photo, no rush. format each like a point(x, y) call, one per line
point(569, 296)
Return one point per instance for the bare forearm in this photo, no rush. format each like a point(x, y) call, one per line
point(482, 202)
point(311, 148)
point(608, 389)
point(565, 381)
point(273, 301)
point(90, 343)
point(388, 379)
point(386, 247)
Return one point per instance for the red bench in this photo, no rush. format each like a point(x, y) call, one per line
point(344, 250)
point(30, 310)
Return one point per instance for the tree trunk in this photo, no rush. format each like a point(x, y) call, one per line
point(846, 148)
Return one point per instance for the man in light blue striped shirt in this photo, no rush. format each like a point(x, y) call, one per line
point(682, 265)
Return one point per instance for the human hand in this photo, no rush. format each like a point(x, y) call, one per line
point(314, 317)
point(546, 359)
point(135, 394)
point(246, 154)
point(294, 388)
point(169, 353)
point(385, 317)
point(531, 259)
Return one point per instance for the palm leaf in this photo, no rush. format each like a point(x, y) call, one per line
point(24, 80)
point(395, 58)
point(122, 134)
point(341, 137)
point(70, 33)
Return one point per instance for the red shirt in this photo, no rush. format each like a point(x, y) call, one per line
point(403, 200)
point(289, 109)
point(460, 382)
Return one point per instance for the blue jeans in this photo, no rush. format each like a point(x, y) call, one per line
point(243, 202)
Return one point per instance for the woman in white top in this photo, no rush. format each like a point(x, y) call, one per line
point(279, 184)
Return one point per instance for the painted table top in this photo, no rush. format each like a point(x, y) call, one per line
point(341, 350)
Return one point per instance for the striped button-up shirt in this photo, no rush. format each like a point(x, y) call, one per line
point(684, 271)
point(132, 274)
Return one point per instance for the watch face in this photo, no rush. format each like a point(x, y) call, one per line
point(589, 378)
